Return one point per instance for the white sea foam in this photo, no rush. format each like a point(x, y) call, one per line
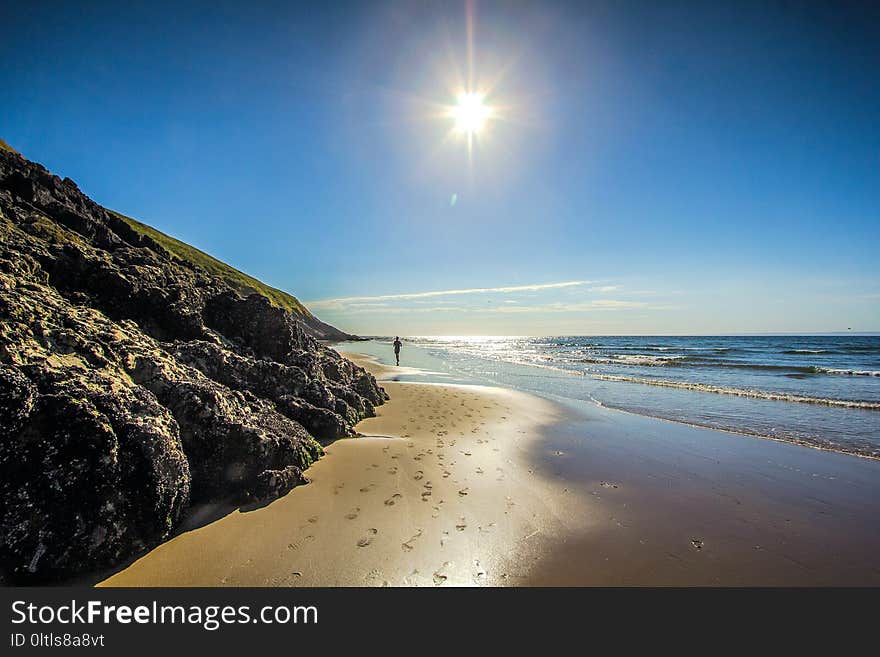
point(641, 359)
point(743, 392)
point(849, 372)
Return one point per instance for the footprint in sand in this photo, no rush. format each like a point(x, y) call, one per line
point(391, 501)
point(463, 492)
point(439, 575)
point(374, 578)
point(419, 475)
point(435, 512)
point(607, 484)
point(351, 515)
point(364, 541)
point(425, 495)
point(407, 546)
point(368, 488)
point(697, 543)
point(462, 524)
point(313, 519)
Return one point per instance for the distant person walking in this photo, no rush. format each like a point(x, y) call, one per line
point(397, 345)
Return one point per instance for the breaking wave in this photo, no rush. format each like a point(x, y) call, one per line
point(744, 392)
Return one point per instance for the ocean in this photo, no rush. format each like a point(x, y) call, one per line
point(818, 391)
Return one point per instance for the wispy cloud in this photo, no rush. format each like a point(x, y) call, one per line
point(338, 303)
point(586, 306)
point(405, 311)
point(604, 289)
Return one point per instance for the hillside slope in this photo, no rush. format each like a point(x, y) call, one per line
point(135, 381)
point(6, 147)
point(239, 281)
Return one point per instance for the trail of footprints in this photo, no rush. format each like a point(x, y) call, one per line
point(442, 441)
point(435, 421)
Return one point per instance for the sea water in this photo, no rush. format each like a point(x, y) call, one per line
point(820, 391)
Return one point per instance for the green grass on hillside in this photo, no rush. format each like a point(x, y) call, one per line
point(6, 147)
point(238, 280)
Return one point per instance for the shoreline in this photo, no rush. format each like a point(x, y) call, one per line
point(741, 433)
point(480, 485)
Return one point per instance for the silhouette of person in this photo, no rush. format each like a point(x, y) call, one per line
point(397, 345)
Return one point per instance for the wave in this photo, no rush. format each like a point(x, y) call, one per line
point(830, 370)
point(641, 360)
point(743, 392)
point(873, 349)
point(793, 352)
point(630, 359)
point(664, 348)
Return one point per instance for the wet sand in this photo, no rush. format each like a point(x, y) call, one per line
point(685, 506)
point(471, 485)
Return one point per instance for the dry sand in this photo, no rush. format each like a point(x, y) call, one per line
point(471, 485)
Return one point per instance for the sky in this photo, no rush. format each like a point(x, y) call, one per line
point(647, 168)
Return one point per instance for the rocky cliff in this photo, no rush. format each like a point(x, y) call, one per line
point(135, 382)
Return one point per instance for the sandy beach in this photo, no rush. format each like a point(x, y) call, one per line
point(437, 491)
point(470, 485)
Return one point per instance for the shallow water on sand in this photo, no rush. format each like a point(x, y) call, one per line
point(820, 391)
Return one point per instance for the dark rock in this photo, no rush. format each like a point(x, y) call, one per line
point(133, 384)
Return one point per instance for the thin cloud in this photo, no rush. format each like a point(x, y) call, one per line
point(604, 289)
point(337, 303)
point(597, 304)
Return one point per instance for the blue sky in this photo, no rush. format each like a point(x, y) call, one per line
point(684, 168)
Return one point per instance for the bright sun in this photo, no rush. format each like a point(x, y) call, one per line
point(470, 113)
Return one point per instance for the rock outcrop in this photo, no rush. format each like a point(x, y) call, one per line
point(134, 383)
